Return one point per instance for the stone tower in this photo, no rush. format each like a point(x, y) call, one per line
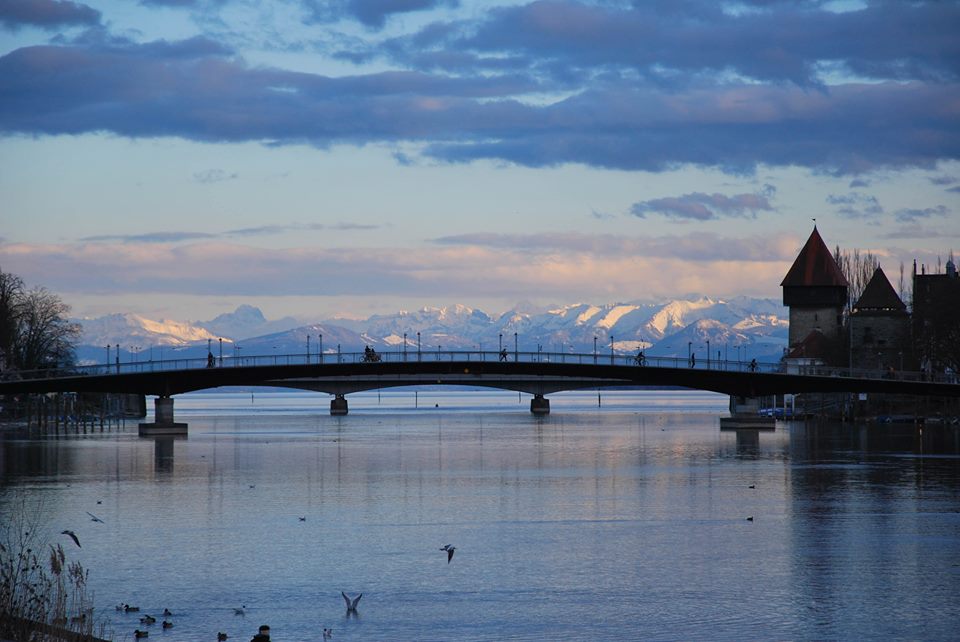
point(879, 327)
point(815, 290)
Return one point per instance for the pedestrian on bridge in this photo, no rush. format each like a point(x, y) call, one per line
point(503, 354)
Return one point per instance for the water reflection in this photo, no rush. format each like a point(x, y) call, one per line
point(163, 451)
point(586, 523)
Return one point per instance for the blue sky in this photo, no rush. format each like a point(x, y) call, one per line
point(178, 157)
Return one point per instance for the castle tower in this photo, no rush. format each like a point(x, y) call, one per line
point(879, 327)
point(815, 290)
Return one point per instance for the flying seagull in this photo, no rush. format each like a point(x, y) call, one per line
point(73, 536)
point(449, 549)
point(351, 604)
point(94, 518)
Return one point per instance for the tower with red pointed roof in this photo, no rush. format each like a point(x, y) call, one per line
point(815, 290)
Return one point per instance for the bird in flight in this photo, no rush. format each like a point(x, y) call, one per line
point(449, 549)
point(73, 536)
point(94, 518)
point(351, 604)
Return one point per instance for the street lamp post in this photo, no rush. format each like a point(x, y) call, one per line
point(611, 349)
point(308, 349)
point(108, 356)
point(594, 351)
point(500, 344)
point(221, 352)
point(118, 358)
point(516, 348)
point(404, 346)
point(320, 356)
point(708, 354)
point(689, 353)
point(418, 345)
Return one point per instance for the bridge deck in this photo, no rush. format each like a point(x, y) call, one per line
point(535, 372)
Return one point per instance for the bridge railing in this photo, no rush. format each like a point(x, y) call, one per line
point(469, 356)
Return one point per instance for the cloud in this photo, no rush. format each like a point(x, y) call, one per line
point(667, 42)
point(914, 230)
point(942, 180)
point(371, 13)
point(213, 176)
point(698, 206)
point(46, 14)
point(909, 215)
point(149, 237)
point(856, 205)
point(696, 246)
point(542, 84)
point(171, 3)
point(859, 182)
point(175, 236)
point(509, 268)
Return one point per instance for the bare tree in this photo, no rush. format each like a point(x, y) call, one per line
point(858, 269)
point(11, 297)
point(34, 329)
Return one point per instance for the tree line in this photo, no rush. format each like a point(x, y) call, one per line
point(35, 332)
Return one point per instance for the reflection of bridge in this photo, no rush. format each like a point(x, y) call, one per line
point(536, 373)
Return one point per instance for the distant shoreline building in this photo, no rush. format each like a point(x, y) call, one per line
point(936, 319)
point(877, 332)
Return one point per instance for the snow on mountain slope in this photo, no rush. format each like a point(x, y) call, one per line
point(677, 314)
point(757, 325)
point(127, 329)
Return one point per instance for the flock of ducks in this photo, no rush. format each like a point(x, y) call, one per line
point(147, 619)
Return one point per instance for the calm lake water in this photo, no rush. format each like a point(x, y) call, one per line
point(623, 522)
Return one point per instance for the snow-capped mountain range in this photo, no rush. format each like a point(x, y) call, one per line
point(742, 326)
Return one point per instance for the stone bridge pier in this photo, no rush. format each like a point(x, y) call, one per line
point(163, 423)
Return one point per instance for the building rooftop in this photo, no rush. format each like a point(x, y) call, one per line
point(814, 266)
point(879, 294)
point(815, 345)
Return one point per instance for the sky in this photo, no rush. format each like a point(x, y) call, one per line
point(176, 158)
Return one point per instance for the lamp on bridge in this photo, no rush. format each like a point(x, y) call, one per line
point(404, 346)
point(594, 351)
point(499, 345)
point(611, 349)
point(320, 356)
point(516, 349)
point(221, 352)
point(708, 354)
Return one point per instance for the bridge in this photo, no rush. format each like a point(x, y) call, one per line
point(536, 373)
